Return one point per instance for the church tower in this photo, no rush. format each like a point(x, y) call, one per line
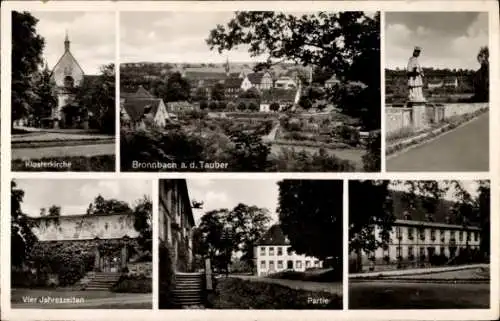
point(227, 67)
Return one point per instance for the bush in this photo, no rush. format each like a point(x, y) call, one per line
point(212, 105)
point(253, 107)
point(242, 106)
point(231, 106)
point(232, 293)
point(274, 107)
point(133, 284)
point(203, 104)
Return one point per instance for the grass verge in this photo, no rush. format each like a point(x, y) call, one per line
point(232, 293)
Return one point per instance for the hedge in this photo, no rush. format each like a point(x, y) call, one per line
point(233, 293)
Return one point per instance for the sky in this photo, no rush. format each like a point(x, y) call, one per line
point(175, 37)
point(75, 195)
point(227, 193)
point(469, 186)
point(92, 36)
point(448, 39)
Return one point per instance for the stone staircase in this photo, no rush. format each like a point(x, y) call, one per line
point(101, 281)
point(188, 290)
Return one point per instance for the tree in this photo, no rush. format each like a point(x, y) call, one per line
point(222, 232)
point(253, 106)
point(242, 106)
point(310, 214)
point(22, 238)
point(218, 92)
point(54, 211)
point(483, 207)
point(249, 152)
point(45, 100)
point(251, 93)
point(96, 99)
point(100, 205)
point(305, 103)
point(176, 89)
point(203, 104)
point(372, 158)
point(346, 42)
point(142, 222)
point(27, 48)
point(481, 86)
point(373, 195)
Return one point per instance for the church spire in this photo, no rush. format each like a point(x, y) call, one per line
point(66, 41)
point(228, 69)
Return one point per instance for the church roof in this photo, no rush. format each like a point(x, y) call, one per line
point(273, 236)
point(138, 108)
point(67, 59)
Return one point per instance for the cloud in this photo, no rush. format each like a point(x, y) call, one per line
point(92, 36)
point(449, 40)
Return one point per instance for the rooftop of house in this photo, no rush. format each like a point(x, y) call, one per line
point(233, 82)
point(442, 214)
point(256, 77)
point(76, 216)
point(273, 236)
point(138, 108)
point(198, 75)
point(141, 92)
point(279, 95)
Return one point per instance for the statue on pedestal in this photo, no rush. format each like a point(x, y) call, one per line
point(415, 78)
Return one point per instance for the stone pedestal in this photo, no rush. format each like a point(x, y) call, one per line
point(419, 115)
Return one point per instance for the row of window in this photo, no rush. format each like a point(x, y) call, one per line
point(436, 234)
point(416, 250)
point(279, 250)
point(289, 264)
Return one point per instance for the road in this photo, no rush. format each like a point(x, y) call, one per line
point(389, 295)
point(63, 151)
point(464, 149)
point(331, 287)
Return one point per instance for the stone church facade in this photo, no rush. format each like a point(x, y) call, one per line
point(67, 76)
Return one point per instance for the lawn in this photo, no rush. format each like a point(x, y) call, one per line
point(389, 295)
point(234, 293)
point(103, 163)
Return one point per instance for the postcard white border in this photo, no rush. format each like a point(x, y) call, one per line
point(493, 174)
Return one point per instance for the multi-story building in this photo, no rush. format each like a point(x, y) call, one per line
point(176, 222)
point(416, 236)
point(273, 253)
point(261, 80)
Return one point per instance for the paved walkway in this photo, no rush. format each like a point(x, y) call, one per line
point(465, 148)
point(50, 136)
point(412, 272)
point(83, 299)
point(63, 151)
point(333, 287)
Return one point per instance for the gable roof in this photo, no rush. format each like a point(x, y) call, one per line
point(279, 95)
point(233, 82)
point(441, 215)
point(141, 92)
point(138, 108)
point(67, 55)
point(255, 77)
point(205, 75)
point(273, 236)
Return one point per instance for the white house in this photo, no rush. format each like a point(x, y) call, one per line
point(273, 254)
point(417, 236)
point(285, 83)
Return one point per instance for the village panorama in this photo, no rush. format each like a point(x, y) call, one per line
point(295, 108)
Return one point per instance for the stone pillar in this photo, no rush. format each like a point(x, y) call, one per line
point(97, 260)
point(208, 275)
point(124, 256)
point(419, 115)
point(56, 123)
